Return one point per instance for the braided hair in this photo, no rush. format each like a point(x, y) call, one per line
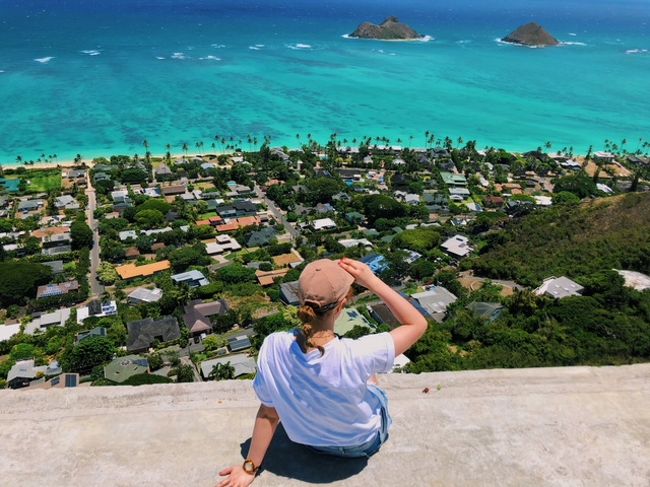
point(308, 313)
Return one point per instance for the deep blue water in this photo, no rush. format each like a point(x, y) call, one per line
point(175, 71)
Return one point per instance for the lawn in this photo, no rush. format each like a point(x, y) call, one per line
point(40, 181)
point(205, 216)
point(204, 186)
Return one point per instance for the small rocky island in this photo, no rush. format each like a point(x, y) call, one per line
point(531, 35)
point(390, 29)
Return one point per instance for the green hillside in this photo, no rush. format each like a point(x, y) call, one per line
point(601, 234)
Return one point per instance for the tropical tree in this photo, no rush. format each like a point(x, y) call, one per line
point(222, 372)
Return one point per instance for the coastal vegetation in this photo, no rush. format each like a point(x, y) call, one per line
point(570, 240)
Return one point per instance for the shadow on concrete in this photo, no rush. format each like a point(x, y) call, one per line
point(288, 459)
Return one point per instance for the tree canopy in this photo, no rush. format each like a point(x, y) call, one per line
point(19, 280)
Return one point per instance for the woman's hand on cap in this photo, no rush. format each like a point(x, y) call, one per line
point(362, 274)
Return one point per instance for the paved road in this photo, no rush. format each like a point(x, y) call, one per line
point(277, 213)
point(96, 289)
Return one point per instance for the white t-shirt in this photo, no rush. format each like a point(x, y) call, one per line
point(324, 401)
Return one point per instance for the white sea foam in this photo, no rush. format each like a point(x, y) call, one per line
point(299, 47)
point(218, 46)
point(44, 60)
point(256, 47)
point(2, 70)
point(636, 51)
point(210, 58)
point(573, 44)
point(572, 34)
point(160, 57)
point(91, 52)
point(425, 38)
point(506, 43)
point(179, 55)
point(464, 41)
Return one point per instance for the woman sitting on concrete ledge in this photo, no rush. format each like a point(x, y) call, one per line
point(322, 387)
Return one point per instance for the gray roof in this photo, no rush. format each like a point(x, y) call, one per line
point(30, 204)
point(143, 333)
point(261, 237)
point(559, 287)
point(191, 277)
point(289, 292)
point(242, 363)
point(239, 343)
point(489, 311)
point(144, 295)
point(100, 331)
point(25, 369)
point(197, 314)
point(122, 368)
point(435, 301)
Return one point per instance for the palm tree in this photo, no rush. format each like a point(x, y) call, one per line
point(222, 372)
point(19, 159)
point(185, 148)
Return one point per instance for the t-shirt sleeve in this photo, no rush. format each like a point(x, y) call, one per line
point(375, 354)
point(260, 384)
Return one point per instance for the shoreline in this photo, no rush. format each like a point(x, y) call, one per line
point(90, 162)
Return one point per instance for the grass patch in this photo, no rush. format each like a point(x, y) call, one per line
point(209, 214)
point(41, 181)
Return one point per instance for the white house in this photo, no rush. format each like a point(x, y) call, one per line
point(222, 243)
point(458, 246)
point(559, 287)
point(323, 224)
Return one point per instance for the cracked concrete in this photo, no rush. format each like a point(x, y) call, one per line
point(577, 426)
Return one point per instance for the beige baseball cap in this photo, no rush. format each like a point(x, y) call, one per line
point(324, 282)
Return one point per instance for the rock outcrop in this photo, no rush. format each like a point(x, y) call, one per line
point(531, 35)
point(390, 29)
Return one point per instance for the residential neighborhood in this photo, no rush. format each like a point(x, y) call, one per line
point(132, 270)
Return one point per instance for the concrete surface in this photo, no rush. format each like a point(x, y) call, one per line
point(533, 427)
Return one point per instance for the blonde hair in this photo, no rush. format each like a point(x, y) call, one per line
point(308, 313)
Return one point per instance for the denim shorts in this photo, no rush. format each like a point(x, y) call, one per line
point(371, 447)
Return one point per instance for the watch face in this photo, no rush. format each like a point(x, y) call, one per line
point(249, 467)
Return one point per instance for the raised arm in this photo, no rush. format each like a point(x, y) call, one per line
point(266, 423)
point(413, 324)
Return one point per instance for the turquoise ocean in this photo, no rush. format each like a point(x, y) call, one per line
point(97, 77)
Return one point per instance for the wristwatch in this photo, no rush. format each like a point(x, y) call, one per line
point(249, 467)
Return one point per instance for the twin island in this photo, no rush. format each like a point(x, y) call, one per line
point(391, 29)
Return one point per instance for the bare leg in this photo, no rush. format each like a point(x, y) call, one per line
point(374, 380)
